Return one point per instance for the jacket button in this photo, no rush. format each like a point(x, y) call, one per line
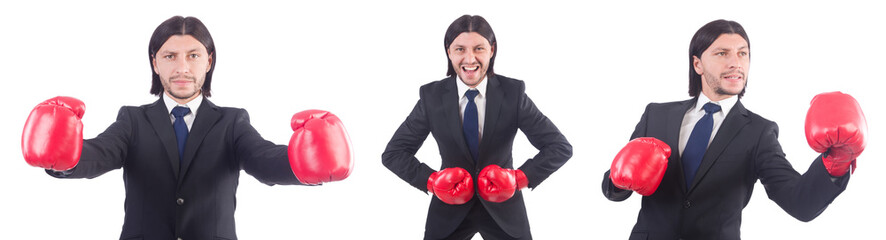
point(180, 201)
point(687, 204)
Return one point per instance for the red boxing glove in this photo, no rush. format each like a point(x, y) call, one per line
point(53, 135)
point(498, 184)
point(452, 185)
point(835, 125)
point(640, 165)
point(319, 150)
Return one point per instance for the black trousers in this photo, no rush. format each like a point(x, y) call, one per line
point(479, 221)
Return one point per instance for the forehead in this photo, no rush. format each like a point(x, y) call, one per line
point(182, 43)
point(728, 41)
point(469, 39)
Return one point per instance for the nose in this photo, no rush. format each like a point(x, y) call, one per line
point(470, 57)
point(736, 62)
point(181, 65)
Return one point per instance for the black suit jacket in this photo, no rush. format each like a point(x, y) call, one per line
point(195, 201)
point(744, 150)
point(507, 109)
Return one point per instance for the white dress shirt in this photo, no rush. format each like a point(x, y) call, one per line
point(480, 100)
point(194, 104)
point(695, 113)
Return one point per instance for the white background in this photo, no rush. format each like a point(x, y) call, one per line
point(591, 68)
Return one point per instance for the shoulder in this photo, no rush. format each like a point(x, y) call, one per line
point(740, 110)
point(209, 105)
point(509, 84)
point(439, 83)
point(437, 87)
point(755, 122)
point(757, 119)
point(145, 107)
point(665, 106)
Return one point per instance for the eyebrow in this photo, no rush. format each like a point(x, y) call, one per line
point(459, 45)
point(189, 51)
point(729, 49)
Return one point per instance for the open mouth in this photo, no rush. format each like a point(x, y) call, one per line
point(470, 71)
point(733, 77)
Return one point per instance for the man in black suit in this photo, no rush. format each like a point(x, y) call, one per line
point(474, 115)
point(718, 150)
point(182, 155)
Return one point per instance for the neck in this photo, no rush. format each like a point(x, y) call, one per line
point(714, 97)
point(182, 101)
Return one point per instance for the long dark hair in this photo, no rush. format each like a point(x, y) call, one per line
point(179, 25)
point(704, 37)
point(468, 23)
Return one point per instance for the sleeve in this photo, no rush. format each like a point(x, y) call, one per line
point(802, 196)
point(399, 155)
point(105, 152)
point(553, 148)
point(264, 160)
point(609, 190)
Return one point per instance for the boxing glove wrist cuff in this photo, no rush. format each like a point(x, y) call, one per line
point(837, 169)
point(522, 181)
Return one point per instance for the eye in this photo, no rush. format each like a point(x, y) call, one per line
point(169, 56)
point(720, 53)
point(459, 49)
point(480, 49)
point(743, 53)
point(194, 55)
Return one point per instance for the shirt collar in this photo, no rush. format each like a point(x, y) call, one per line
point(725, 104)
point(194, 104)
point(462, 87)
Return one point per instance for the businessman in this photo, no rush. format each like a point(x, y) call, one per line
point(182, 155)
point(474, 115)
point(696, 161)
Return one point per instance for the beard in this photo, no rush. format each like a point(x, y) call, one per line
point(714, 82)
point(183, 94)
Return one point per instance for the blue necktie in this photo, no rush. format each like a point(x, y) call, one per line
point(698, 142)
point(181, 129)
point(471, 126)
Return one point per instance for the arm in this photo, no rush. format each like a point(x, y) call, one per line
point(802, 196)
point(399, 155)
point(553, 148)
point(103, 153)
point(264, 160)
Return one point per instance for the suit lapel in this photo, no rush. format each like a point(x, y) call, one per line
point(732, 124)
point(494, 99)
point(449, 99)
point(674, 123)
point(158, 116)
point(207, 116)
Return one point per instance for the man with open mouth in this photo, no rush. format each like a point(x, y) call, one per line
point(474, 115)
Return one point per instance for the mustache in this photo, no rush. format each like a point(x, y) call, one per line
point(733, 72)
point(182, 76)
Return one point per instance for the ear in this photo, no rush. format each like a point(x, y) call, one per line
point(154, 64)
point(696, 63)
point(492, 49)
point(209, 66)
